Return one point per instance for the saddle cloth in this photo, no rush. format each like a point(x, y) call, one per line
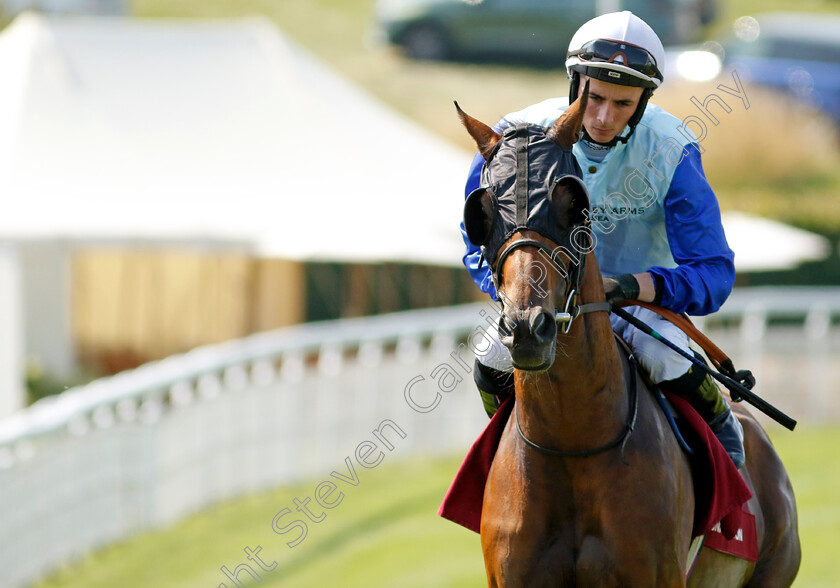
point(720, 491)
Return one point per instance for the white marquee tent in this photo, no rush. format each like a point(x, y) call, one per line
point(202, 133)
point(195, 132)
point(118, 129)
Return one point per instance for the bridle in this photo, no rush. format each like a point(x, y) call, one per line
point(571, 311)
point(526, 196)
point(574, 277)
point(519, 177)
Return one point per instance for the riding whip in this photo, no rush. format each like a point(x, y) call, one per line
point(735, 387)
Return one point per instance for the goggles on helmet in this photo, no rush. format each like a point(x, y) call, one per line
point(632, 56)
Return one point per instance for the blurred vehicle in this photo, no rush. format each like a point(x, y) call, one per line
point(798, 54)
point(795, 54)
point(521, 30)
point(11, 8)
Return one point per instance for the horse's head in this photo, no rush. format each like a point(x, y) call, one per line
point(529, 218)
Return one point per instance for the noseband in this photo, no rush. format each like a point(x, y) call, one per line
point(571, 311)
point(519, 178)
point(574, 277)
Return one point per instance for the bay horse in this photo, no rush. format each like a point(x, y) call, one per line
point(589, 487)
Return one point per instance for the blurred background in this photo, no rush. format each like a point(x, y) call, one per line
point(229, 240)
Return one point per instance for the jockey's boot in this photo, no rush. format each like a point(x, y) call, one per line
point(493, 385)
point(699, 388)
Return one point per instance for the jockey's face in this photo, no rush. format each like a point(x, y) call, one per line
point(610, 108)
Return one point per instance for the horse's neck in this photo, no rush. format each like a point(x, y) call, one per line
point(582, 395)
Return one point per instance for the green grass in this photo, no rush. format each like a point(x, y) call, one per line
point(385, 533)
point(813, 464)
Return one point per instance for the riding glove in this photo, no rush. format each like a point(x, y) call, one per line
point(621, 287)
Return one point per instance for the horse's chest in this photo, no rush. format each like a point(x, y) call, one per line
point(570, 535)
point(559, 562)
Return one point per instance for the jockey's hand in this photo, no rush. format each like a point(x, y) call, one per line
point(620, 288)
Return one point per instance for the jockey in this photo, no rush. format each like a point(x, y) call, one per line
point(655, 219)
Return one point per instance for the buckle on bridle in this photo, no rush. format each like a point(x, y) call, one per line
point(570, 312)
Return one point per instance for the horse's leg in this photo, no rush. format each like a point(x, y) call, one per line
point(779, 551)
point(511, 553)
point(775, 512)
point(719, 570)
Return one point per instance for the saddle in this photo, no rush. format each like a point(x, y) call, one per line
point(721, 516)
point(735, 534)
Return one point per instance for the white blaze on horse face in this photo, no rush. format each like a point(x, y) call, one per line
point(609, 109)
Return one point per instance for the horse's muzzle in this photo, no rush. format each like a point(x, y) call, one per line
point(530, 337)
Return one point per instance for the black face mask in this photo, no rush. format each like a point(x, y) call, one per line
point(520, 178)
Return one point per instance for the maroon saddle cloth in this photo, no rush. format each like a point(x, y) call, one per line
point(720, 491)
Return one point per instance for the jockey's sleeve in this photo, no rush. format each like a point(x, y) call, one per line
point(479, 274)
point(705, 274)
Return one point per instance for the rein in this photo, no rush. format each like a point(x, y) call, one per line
point(622, 438)
point(523, 217)
point(570, 312)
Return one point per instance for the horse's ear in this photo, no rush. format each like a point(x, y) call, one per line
point(478, 217)
point(485, 138)
point(566, 131)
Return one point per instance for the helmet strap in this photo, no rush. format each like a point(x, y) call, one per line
point(574, 87)
point(637, 116)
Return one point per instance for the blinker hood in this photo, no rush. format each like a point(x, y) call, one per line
point(519, 178)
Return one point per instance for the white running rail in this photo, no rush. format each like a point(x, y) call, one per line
point(147, 447)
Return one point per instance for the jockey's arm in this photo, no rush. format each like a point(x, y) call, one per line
point(647, 287)
point(705, 273)
point(478, 268)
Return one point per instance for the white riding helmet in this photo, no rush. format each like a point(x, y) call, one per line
point(618, 47)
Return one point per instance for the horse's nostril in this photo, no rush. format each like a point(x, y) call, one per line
point(535, 328)
point(543, 325)
point(506, 326)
